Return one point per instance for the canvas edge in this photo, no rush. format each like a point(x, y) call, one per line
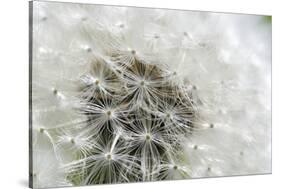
point(30, 47)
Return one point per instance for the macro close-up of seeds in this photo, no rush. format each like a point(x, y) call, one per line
point(127, 94)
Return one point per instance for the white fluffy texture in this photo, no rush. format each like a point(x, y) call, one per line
point(226, 56)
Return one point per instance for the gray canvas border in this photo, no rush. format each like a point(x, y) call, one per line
point(30, 141)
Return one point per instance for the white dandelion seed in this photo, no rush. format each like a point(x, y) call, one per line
point(109, 162)
point(101, 80)
point(104, 113)
point(145, 84)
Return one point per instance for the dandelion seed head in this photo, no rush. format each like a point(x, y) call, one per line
point(149, 95)
point(97, 82)
point(142, 83)
point(170, 115)
point(148, 137)
point(110, 113)
point(109, 156)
